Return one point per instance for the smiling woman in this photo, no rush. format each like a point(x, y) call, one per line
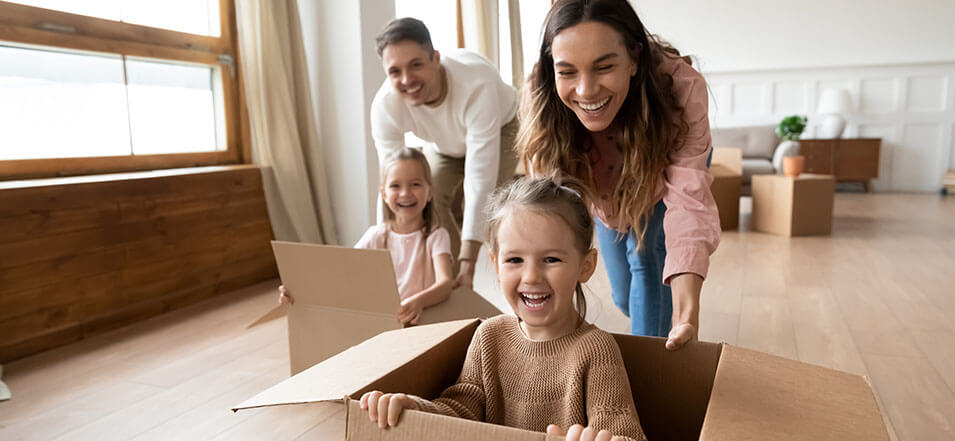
point(614, 106)
point(93, 86)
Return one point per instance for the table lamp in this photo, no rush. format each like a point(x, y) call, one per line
point(833, 103)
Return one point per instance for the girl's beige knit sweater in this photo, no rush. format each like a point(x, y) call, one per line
point(510, 380)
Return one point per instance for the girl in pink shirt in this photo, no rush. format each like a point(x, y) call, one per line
point(420, 248)
point(622, 111)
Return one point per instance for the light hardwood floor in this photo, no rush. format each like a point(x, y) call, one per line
point(876, 298)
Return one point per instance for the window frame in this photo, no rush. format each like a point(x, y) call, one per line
point(34, 26)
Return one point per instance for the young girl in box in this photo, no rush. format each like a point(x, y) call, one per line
point(420, 248)
point(546, 368)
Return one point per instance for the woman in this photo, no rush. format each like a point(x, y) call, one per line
point(621, 110)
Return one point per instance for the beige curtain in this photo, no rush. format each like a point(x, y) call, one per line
point(517, 46)
point(284, 128)
point(480, 20)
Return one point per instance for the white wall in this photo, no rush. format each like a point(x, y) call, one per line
point(340, 46)
point(743, 35)
point(765, 59)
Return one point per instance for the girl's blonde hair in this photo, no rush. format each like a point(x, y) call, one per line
point(552, 139)
point(562, 197)
point(431, 221)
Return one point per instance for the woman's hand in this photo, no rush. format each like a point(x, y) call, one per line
point(285, 296)
point(581, 433)
point(409, 311)
point(386, 408)
point(686, 289)
point(680, 334)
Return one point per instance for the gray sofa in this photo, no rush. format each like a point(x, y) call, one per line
point(758, 144)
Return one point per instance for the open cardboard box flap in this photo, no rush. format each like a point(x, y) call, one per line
point(344, 296)
point(402, 355)
point(704, 391)
point(757, 394)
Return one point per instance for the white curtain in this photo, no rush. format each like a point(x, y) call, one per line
point(284, 128)
point(483, 34)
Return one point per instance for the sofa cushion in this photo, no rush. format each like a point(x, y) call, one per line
point(755, 141)
point(752, 166)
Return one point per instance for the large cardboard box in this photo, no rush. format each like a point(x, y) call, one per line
point(704, 391)
point(793, 206)
point(344, 296)
point(727, 170)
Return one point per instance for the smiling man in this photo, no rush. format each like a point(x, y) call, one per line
point(458, 103)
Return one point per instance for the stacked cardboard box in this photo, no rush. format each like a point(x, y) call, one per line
point(727, 170)
point(793, 206)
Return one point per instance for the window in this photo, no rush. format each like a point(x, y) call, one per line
point(441, 18)
point(193, 16)
point(91, 86)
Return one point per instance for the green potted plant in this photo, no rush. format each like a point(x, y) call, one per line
point(787, 158)
point(791, 127)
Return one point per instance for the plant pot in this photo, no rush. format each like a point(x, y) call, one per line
point(793, 165)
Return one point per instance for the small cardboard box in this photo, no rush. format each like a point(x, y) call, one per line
point(727, 170)
point(793, 206)
point(344, 296)
point(704, 391)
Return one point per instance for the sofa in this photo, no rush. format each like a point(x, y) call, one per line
point(762, 150)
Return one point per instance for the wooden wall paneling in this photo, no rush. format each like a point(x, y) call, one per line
point(82, 258)
point(61, 292)
point(39, 343)
point(49, 222)
point(107, 190)
point(50, 271)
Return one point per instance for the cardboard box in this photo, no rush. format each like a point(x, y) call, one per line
point(727, 170)
point(704, 391)
point(731, 158)
point(344, 296)
point(790, 206)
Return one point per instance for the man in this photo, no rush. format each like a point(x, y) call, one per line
point(459, 104)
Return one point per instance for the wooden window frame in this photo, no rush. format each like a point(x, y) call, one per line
point(29, 25)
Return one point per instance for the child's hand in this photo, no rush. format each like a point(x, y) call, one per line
point(409, 311)
point(285, 296)
point(581, 433)
point(386, 408)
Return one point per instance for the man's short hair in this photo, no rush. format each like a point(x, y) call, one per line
point(401, 29)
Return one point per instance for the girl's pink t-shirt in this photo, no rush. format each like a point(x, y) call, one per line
point(414, 271)
point(691, 223)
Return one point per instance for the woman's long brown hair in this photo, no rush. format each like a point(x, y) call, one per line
point(552, 139)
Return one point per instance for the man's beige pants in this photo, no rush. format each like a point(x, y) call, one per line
point(448, 174)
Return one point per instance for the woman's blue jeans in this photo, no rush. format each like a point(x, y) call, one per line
point(636, 278)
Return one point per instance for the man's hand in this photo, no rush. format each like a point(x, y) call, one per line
point(680, 335)
point(465, 274)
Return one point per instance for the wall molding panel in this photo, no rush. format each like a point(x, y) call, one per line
point(910, 106)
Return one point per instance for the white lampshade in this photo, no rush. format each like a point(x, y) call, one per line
point(834, 101)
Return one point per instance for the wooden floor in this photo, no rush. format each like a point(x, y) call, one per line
point(876, 298)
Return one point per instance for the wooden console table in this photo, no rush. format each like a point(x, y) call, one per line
point(848, 159)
